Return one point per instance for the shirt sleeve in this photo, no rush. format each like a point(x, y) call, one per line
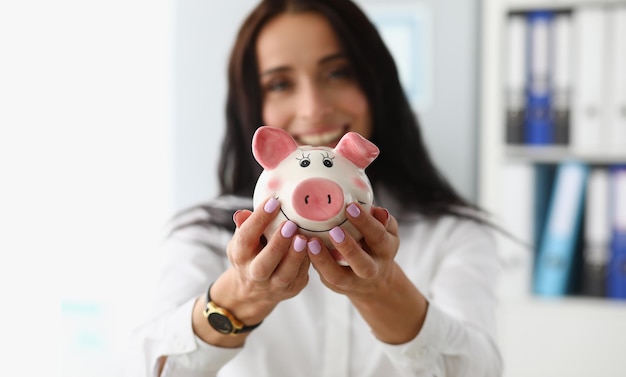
point(169, 333)
point(170, 336)
point(458, 335)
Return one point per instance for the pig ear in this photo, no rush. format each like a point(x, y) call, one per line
point(357, 149)
point(272, 145)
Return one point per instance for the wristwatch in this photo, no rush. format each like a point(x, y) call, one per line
point(222, 320)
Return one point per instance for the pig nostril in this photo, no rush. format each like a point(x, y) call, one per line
point(328, 199)
point(306, 199)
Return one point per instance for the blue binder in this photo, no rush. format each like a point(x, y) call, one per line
point(555, 258)
point(544, 180)
point(616, 273)
point(539, 127)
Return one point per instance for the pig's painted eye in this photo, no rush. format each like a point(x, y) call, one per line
point(304, 161)
point(328, 161)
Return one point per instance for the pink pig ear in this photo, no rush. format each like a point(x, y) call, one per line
point(357, 149)
point(272, 145)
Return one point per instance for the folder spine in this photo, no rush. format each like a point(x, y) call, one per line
point(538, 124)
point(616, 280)
point(558, 246)
point(515, 79)
point(597, 234)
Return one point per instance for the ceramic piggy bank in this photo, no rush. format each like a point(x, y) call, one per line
point(313, 184)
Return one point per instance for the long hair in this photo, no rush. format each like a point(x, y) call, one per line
point(403, 167)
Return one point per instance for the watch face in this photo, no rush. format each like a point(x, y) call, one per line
point(220, 323)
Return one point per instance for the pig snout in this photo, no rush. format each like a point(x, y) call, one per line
point(317, 199)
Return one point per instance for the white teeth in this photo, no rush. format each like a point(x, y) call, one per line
point(320, 139)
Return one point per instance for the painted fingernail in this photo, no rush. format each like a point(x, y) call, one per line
point(337, 234)
point(386, 216)
point(271, 205)
point(237, 212)
point(354, 210)
point(288, 229)
point(299, 244)
point(315, 247)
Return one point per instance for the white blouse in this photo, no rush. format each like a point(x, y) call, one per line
point(318, 333)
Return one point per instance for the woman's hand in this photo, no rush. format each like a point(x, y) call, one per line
point(371, 260)
point(375, 284)
point(262, 273)
point(273, 270)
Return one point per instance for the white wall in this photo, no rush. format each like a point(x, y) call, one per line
point(450, 126)
point(84, 177)
point(204, 33)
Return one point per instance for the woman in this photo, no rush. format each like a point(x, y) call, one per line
point(418, 298)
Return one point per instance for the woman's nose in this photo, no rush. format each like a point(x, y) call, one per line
point(314, 103)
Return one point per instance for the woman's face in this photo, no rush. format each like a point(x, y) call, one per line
point(308, 84)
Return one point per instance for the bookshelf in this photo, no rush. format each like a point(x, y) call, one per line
point(555, 154)
point(569, 335)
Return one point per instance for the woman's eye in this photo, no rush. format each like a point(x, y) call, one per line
point(277, 86)
point(340, 73)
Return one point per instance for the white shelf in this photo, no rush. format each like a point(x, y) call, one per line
point(554, 154)
point(526, 5)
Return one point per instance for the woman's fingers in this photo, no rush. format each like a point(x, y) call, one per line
point(245, 243)
point(379, 230)
point(240, 216)
point(293, 264)
point(278, 246)
point(361, 262)
point(278, 260)
point(324, 262)
point(368, 258)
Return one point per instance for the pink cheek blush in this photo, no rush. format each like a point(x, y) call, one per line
point(274, 184)
point(358, 182)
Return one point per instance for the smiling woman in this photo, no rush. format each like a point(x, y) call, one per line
point(416, 294)
point(309, 87)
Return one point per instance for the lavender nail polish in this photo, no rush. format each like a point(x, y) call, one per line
point(353, 210)
point(288, 229)
point(337, 234)
point(271, 205)
point(315, 247)
point(299, 244)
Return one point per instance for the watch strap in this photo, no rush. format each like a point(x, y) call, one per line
point(237, 326)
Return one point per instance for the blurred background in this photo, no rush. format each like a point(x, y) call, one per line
point(111, 118)
point(111, 115)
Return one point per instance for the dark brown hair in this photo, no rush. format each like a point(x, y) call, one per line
point(404, 166)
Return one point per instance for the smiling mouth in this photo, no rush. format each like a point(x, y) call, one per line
point(312, 230)
point(324, 138)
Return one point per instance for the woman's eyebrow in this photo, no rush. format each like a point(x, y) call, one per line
point(274, 70)
point(324, 60)
point(332, 57)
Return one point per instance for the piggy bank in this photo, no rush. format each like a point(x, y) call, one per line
point(313, 184)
